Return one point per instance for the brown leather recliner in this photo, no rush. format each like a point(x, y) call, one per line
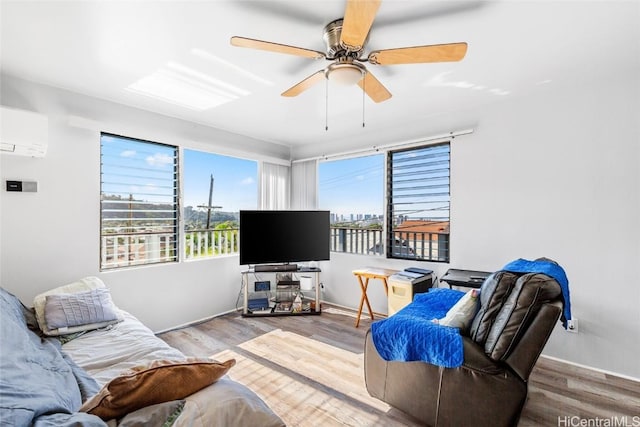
point(516, 317)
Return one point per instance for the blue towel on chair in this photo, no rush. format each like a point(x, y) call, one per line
point(551, 269)
point(410, 334)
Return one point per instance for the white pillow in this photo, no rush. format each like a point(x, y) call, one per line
point(82, 308)
point(462, 312)
point(82, 285)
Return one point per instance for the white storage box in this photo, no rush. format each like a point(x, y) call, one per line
point(403, 286)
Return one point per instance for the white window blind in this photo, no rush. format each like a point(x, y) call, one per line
point(418, 203)
point(139, 202)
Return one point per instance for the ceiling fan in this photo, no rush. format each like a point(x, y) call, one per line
point(345, 39)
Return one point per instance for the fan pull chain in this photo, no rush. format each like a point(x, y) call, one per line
point(326, 106)
point(364, 86)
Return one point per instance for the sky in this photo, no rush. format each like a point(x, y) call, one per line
point(352, 186)
point(146, 172)
point(235, 181)
point(132, 168)
point(346, 186)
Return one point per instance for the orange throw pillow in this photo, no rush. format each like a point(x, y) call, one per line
point(160, 381)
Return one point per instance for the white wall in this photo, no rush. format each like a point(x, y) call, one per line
point(51, 237)
point(555, 174)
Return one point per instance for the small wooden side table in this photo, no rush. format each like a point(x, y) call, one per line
point(363, 275)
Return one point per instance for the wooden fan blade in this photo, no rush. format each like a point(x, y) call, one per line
point(419, 54)
point(372, 87)
point(305, 84)
point(358, 17)
point(275, 47)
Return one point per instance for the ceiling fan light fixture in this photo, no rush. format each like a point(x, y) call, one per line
point(345, 74)
point(345, 39)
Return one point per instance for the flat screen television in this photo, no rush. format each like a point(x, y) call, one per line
point(283, 237)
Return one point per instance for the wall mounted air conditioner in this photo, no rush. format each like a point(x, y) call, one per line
point(23, 133)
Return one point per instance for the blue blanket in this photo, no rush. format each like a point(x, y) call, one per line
point(410, 334)
point(551, 269)
point(39, 386)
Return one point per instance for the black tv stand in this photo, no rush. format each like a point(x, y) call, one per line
point(275, 267)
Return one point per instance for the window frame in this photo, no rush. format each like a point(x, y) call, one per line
point(442, 245)
point(174, 223)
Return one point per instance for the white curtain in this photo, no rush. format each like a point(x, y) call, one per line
point(304, 185)
point(275, 186)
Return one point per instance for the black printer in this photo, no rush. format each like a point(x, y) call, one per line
point(466, 278)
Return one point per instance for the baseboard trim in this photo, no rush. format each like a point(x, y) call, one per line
point(355, 310)
point(213, 316)
point(591, 368)
point(194, 322)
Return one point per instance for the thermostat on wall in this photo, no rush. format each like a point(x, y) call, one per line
point(22, 186)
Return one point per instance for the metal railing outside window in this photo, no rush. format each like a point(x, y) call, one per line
point(207, 243)
point(357, 240)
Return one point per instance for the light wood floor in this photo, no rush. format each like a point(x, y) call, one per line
point(309, 369)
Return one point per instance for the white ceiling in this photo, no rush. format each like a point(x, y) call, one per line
point(99, 48)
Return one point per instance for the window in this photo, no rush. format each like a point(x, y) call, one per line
point(418, 203)
point(139, 202)
point(353, 190)
point(418, 200)
point(216, 188)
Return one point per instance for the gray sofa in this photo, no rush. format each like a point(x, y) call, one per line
point(516, 317)
point(48, 380)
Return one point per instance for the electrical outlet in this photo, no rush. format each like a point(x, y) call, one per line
point(572, 326)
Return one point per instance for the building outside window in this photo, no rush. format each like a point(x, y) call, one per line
point(138, 202)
